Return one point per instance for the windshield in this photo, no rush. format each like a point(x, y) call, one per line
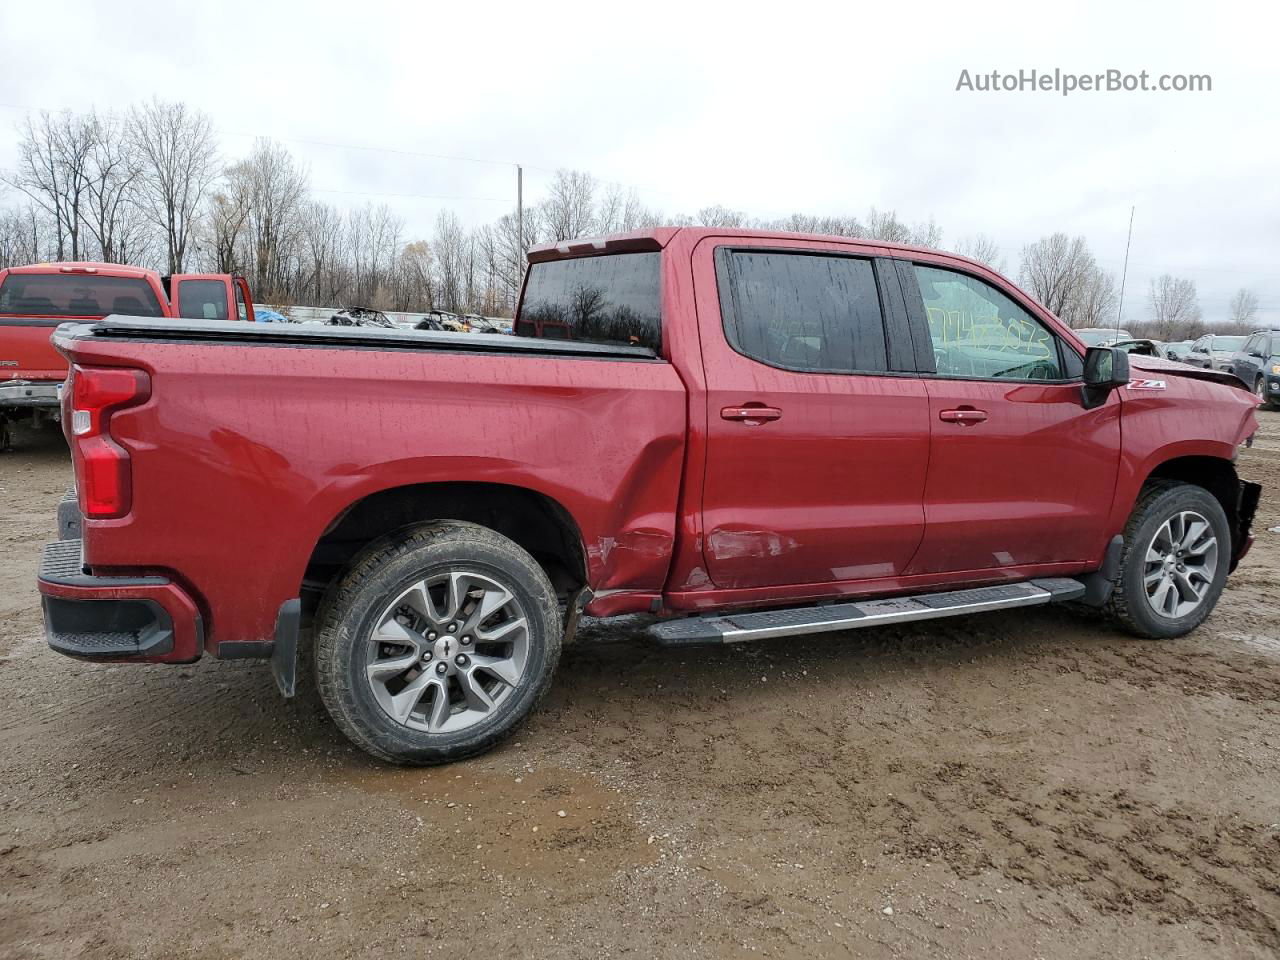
point(76, 295)
point(610, 299)
point(1094, 337)
point(1227, 344)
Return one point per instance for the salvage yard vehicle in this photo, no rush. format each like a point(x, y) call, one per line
point(747, 434)
point(1257, 364)
point(35, 299)
point(1213, 352)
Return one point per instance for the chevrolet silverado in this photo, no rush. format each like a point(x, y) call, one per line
point(745, 435)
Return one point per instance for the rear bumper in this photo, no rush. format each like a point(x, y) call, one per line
point(31, 393)
point(145, 619)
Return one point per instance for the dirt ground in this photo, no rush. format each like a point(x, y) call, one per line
point(1025, 784)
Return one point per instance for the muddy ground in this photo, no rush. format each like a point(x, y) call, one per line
point(1025, 784)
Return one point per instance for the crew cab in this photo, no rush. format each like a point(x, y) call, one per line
point(745, 435)
point(35, 299)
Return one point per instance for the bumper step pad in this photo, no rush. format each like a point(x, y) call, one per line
point(766, 624)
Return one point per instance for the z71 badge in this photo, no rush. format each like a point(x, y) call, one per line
point(1146, 384)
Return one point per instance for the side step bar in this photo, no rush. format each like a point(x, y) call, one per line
point(764, 624)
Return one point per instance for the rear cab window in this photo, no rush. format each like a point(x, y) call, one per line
point(613, 299)
point(76, 295)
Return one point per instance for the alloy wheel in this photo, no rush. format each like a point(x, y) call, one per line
point(1180, 564)
point(448, 652)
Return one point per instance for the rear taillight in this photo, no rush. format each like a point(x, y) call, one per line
point(104, 472)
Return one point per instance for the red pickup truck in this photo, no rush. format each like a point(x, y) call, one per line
point(744, 434)
point(35, 299)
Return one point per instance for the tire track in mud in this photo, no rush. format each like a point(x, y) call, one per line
point(1125, 855)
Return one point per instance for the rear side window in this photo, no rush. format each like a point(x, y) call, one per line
point(76, 295)
point(616, 298)
point(202, 300)
point(978, 333)
point(801, 311)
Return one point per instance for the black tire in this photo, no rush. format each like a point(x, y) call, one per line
point(1160, 500)
point(1260, 391)
point(380, 574)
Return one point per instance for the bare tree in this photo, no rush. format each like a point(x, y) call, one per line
point(1094, 301)
point(1244, 307)
point(718, 216)
point(23, 236)
point(569, 210)
point(450, 244)
point(54, 170)
point(885, 225)
point(1054, 270)
point(178, 146)
point(1175, 311)
point(277, 190)
point(111, 211)
point(982, 248)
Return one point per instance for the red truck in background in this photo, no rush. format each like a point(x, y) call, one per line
point(745, 434)
point(35, 299)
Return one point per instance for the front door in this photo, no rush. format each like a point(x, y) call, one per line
point(817, 431)
point(1020, 473)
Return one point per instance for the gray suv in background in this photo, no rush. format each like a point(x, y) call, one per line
point(1257, 363)
point(1213, 352)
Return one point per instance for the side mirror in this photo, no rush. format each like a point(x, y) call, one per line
point(1105, 368)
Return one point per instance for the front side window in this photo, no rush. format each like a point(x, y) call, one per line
point(802, 311)
point(615, 298)
point(202, 300)
point(979, 333)
point(241, 310)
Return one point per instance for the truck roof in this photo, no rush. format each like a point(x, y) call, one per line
point(658, 237)
point(86, 266)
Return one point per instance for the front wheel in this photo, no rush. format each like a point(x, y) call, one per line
point(436, 643)
point(1177, 549)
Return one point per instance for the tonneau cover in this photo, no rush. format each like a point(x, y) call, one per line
point(301, 334)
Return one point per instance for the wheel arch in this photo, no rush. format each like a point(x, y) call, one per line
point(533, 520)
point(1218, 476)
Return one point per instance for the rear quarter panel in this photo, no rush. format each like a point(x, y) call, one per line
point(245, 454)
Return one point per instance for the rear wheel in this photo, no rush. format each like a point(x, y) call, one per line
point(436, 643)
point(1175, 563)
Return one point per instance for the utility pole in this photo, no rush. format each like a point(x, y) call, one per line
point(1124, 273)
point(520, 218)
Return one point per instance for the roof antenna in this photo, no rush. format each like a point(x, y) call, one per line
point(1125, 273)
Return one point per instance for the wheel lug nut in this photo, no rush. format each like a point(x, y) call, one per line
point(431, 635)
point(426, 656)
point(441, 667)
point(453, 627)
point(462, 660)
point(466, 641)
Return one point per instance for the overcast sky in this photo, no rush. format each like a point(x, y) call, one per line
point(769, 108)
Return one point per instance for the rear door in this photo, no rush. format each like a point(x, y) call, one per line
point(817, 426)
point(1019, 472)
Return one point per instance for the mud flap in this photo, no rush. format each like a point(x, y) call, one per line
point(1099, 584)
point(284, 653)
point(1246, 508)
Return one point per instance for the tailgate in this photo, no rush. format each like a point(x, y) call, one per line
point(25, 350)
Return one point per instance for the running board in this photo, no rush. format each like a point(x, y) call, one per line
point(764, 624)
